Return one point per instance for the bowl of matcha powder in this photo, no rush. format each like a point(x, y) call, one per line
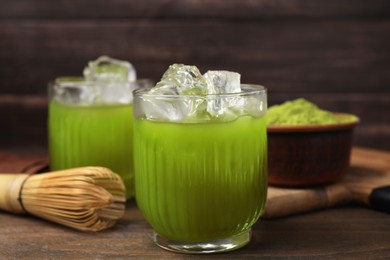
point(307, 145)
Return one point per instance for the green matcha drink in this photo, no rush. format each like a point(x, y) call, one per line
point(91, 118)
point(209, 178)
point(200, 148)
point(96, 135)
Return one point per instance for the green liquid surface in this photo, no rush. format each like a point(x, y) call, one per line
point(201, 181)
point(98, 135)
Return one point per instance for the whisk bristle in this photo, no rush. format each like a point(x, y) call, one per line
point(86, 198)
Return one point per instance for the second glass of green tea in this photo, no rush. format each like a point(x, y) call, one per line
point(200, 165)
point(91, 119)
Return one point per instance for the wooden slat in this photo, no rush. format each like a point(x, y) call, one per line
point(23, 121)
point(242, 9)
point(24, 118)
point(318, 56)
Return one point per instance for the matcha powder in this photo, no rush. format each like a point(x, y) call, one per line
point(302, 112)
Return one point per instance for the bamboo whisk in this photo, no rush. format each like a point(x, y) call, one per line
point(86, 198)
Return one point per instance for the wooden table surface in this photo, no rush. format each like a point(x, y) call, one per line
point(345, 232)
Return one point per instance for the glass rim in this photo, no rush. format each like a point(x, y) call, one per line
point(82, 82)
point(246, 90)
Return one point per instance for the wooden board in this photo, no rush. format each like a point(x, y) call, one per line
point(369, 169)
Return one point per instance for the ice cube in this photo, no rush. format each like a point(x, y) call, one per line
point(74, 92)
point(116, 92)
point(222, 81)
point(107, 69)
point(181, 79)
point(254, 106)
point(113, 79)
point(157, 108)
point(186, 85)
point(191, 95)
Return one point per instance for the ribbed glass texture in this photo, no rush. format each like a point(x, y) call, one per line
point(201, 181)
point(93, 135)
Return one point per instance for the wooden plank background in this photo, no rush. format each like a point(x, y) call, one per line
point(335, 53)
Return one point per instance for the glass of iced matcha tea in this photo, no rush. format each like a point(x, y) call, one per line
point(200, 148)
point(91, 119)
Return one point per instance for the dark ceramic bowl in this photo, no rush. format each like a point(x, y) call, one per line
point(302, 156)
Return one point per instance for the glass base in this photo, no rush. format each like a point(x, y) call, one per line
point(205, 247)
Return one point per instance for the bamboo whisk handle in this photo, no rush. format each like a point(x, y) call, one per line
point(10, 188)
